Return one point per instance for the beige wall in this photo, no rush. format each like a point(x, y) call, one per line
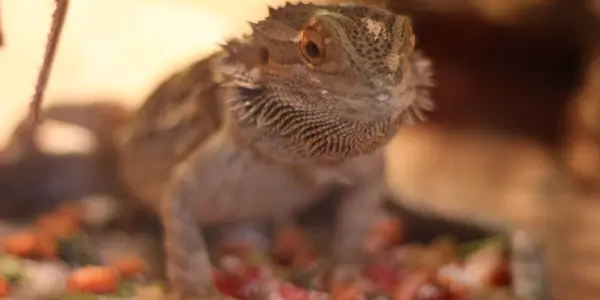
point(110, 47)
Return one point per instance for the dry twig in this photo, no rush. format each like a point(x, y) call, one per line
point(2, 42)
point(58, 19)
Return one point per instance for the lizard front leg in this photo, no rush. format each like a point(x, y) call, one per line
point(219, 183)
point(188, 265)
point(355, 218)
point(356, 215)
point(194, 185)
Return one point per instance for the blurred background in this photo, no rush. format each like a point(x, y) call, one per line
point(117, 49)
point(512, 144)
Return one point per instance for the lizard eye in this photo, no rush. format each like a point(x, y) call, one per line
point(312, 46)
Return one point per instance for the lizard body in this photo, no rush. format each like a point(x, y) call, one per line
point(293, 126)
point(263, 128)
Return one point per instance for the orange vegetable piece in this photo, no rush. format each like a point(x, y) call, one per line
point(22, 244)
point(30, 244)
point(59, 225)
point(93, 279)
point(4, 287)
point(46, 246)
point(129, 266)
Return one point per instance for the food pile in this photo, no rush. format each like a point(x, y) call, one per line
point(54, 259)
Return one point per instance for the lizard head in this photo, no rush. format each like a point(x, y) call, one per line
point(325, 82)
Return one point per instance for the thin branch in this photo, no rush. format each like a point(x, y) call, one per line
point(58, 19)
point(2, 41)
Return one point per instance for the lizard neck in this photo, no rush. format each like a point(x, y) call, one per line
point(300, 134)
point(252, 143)
point(306, 168)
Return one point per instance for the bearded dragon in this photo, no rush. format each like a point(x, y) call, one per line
point(270, 124)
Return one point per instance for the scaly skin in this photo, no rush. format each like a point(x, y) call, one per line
point(292, 99)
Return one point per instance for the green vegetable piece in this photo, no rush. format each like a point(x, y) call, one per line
point(12, 268)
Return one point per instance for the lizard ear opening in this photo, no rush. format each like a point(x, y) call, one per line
point(263, 55)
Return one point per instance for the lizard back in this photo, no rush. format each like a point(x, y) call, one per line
point(176, 117)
